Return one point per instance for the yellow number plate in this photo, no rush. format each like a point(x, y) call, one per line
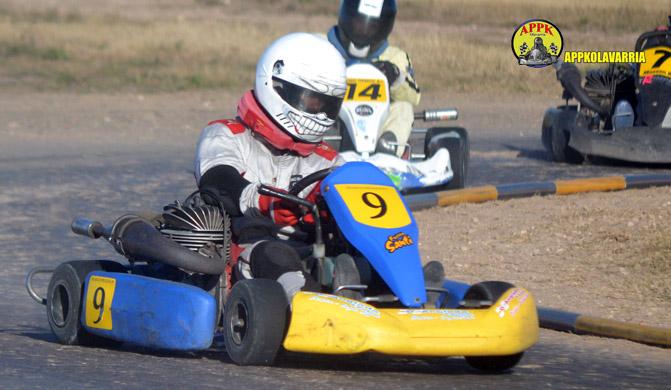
point(657, 62)
point(99, 296)
point(374, 205)
point(366, 90)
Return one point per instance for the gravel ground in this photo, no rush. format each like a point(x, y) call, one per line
point(605, 253)
point(100, 156)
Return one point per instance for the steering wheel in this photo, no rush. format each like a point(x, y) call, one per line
point(309, 180)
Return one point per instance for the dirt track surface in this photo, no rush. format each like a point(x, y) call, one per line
point(103, 155)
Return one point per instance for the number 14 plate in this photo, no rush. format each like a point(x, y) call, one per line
point(366, 90)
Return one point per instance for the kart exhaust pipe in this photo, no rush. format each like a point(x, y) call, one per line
point(570, 78)
point(441, 114)
point(138, 240)
point(88, 228)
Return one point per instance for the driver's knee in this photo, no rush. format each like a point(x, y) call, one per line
point(387, 143)
point(272, 259)
point(281, 262)
point(399, 123)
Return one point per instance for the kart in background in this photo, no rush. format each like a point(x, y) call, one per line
point(180, 286)
point(434, 159)
point(623, 111)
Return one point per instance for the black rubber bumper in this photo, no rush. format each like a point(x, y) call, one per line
point(635, 144)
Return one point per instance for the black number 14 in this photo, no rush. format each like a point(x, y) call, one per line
point(372, 91)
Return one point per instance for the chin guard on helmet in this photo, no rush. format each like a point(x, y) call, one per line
point(253, 116)
point(315, 113)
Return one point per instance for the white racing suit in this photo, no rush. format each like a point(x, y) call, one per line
point(251, 151)
point(405, 93)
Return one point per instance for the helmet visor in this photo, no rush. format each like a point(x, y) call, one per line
point(307, 100)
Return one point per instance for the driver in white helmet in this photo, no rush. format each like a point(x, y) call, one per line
point(276, 140)
point(361, 36)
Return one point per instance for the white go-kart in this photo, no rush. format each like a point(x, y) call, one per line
point(440, 162)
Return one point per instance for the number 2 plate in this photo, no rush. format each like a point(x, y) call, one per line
point(99, 294)
point(657, 62)
point(374, 205)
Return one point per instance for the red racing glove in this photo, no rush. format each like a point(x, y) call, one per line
point(313, 196)
point(281, 212)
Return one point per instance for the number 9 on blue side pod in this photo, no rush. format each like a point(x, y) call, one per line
point(99, 295)
point(374, 218)
point(147, 311)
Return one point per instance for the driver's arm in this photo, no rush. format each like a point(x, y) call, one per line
point(220, 165)
point(407, 90)
point(226, 183)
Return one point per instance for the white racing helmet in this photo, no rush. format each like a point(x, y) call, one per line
point(301, 82)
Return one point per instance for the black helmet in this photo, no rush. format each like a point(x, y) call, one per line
point(363, 25)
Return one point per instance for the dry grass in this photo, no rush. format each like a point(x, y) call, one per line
point(177, 44)
point(605, 16)
point(112, 53)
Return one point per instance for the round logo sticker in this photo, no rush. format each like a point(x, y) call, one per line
point(537, 43)
point(364, 110)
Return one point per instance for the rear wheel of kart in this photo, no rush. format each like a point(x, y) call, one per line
point(556, 138)
point(561, 152)
point(455, 140)
point(255, 319)
point(64, 301)
point(483, 295)
point(546, 128)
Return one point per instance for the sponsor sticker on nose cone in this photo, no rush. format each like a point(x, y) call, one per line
point(364, 110)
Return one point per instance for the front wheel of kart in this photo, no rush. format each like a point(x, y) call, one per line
point(455, 140)
point(65, 298)
point(483, 295)
point(494, 363)
point(255, 319)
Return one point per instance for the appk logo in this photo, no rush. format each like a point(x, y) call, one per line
point(537, 43)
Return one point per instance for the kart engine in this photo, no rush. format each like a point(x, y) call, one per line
point(200, 228)
point(608, 85)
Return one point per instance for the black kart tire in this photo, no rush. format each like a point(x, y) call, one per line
point(491, 291)
point(65, 296)
point(561, 152)
point(346, 142)
point(494, 363)
point(255, 321)
point(346, 273)
point(487, 291)
point(556, 136)
point(456, 141)
point(546, 128)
